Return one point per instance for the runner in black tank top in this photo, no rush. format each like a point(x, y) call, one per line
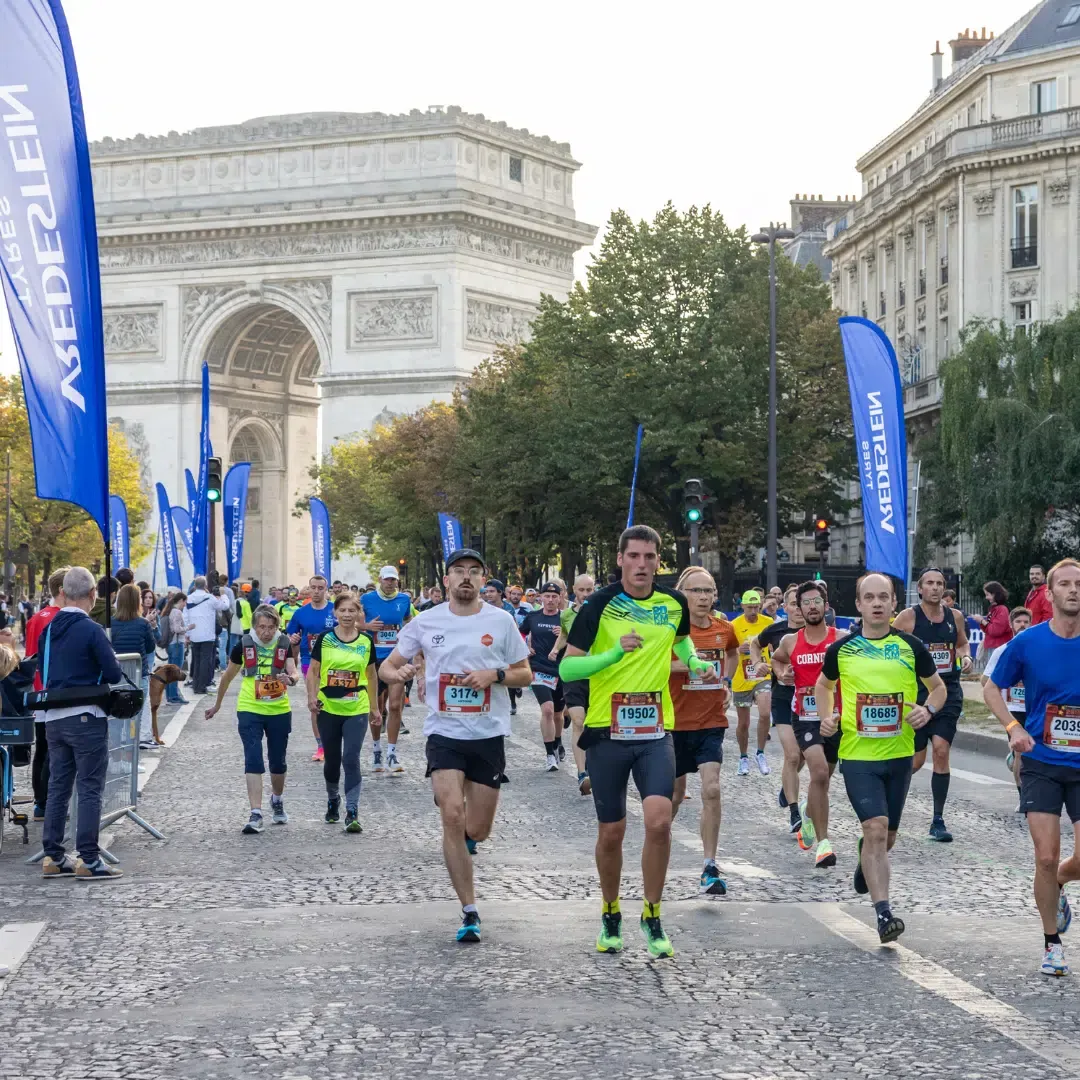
point(945, 635)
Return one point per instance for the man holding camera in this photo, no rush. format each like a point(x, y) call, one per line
point(75, 653)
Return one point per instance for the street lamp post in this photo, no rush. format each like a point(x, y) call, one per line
point(770, 236)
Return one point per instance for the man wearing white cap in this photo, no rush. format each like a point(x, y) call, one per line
point(386, 611)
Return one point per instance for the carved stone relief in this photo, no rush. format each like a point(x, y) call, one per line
point(869, 258)
point(984, 202)
point(901, 324)
point(1060, 191)
point(313, 294)
point(134, 332)
point(404, 316)
point(943, 302)
point(890, 246)
point(1021, 287)
point(490, 321)
point(907, 231)
point(196, 300)
point(920, 313)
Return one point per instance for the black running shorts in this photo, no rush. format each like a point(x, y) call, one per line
point(698, 747)
point(782, 699)
point(1046, 789)
point(545, 693)
point(610, 763)
point(576, 694)
point(878, 788)
point(483, 761)
point(808, 733)
point(944, 723)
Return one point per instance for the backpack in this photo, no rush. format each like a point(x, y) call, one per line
point(251, 655)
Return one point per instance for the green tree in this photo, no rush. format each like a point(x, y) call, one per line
point(1005, 465)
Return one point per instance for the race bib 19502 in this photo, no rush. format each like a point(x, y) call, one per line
point(637, 716)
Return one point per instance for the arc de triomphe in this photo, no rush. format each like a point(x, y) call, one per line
point(331, 268)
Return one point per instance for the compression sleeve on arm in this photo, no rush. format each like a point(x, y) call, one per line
point(686, 652)
point(575, 668)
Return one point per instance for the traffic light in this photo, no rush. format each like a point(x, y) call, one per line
point(694, 500)
point(213, 480)
point(821, 534)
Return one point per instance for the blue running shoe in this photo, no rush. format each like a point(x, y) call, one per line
point(470, 843)
point(939, 833)
point(1064, 912)
point(712, 884)
point(781, 798)
point(469, 930)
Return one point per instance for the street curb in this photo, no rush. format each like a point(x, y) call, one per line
point(981, 742)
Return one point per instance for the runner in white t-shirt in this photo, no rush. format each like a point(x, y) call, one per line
point(466, 654)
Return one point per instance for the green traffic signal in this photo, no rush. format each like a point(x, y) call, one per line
point(213, 495)
point(693, 515)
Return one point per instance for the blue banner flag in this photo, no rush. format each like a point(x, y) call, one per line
point(168, 539)
point(633, 482)
point(200, 532)
point(877, 406)
point(234, 508)
point(118, 533)
point(450, 531)
point(49, 256)
point(192, 492)
point(320, 536)
point(182, 525)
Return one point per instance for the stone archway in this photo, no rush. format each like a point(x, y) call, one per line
point(264, 402)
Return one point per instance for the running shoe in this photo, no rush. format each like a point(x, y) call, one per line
point(407, 703)
point(377, 762)
point(1064, 912)
point(552, 763)
point(808, 832)
point(796, 821)
point(469, 930)
point(939, 833)
point(762, 763)
point(279, 816)
point(781, 798)
point(859, 881)
point(513, 707)
point(744, 766)
point(565, 721)
point(1054, 960)
point(889, 927)
point(655, 937)
point(470, 844)
point(254, 823)
point(403, 730)
point(333, 811)
point(52, 868)
point(825, 855)
point(584, 784)
point(352, 822)
point(98, 870)
point(712, 884)
point(393, 766)
point(319, 754)
point(561, 751)
point(610, 937)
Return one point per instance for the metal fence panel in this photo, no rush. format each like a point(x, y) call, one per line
point(122, 775)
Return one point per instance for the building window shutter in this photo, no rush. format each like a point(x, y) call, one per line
point(1063, 92)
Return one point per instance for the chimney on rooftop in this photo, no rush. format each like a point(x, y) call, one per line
point(935, 60)
point(967, 44)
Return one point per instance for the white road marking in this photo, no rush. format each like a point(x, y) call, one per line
point(150, 760)
point(1039, 1038)
point(16, 941)
point(980, 778)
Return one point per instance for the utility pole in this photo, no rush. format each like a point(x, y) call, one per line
point(695, 555)
point(7, 531)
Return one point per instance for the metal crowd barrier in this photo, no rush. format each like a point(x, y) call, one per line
point(120, 796)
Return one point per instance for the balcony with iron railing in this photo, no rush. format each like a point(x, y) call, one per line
point(978, 139)
point(943, 271)
point(921, 284)
point(1024, 253)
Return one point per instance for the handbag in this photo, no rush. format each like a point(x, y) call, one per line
point(123, 702)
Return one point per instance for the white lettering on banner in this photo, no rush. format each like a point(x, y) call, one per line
point(881, 461)
point(27, 156)
point(237, 532)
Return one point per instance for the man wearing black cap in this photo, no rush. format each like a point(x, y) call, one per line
point(466, 654)
point(541, 631)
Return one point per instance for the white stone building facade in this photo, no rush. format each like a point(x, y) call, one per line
point(971, 208)
point(332, 269)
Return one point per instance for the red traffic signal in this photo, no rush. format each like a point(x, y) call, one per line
point(821, 534)
point(821, 524)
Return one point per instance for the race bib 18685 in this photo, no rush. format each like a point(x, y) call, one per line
point(879, 716)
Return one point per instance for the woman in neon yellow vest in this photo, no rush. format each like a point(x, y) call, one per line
point(262, 709)
point(342, 695)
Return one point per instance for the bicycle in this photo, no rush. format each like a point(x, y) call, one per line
point(14, 731)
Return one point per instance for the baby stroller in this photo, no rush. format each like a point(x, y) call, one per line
point(16, 739)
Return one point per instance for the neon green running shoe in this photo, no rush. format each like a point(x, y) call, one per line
point(655, 937)
point(808, 833)
point(610, 939)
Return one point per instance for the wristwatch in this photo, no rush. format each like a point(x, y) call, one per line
point(500, 674)
point(930, 709)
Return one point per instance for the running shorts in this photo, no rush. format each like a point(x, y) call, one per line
point(745, 698)
point(944, 723)
point(576, 694)
point(698, 747)
point(782, 699)
point(483, 761)
point(544, 694)
point(808, 733)
point(610, 763)
point(1046, 789)
point(878, 788)
point(384, 688)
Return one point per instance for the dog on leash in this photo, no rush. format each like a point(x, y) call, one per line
point(160, 677)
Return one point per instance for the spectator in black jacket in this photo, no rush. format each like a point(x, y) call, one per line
point(76, 653)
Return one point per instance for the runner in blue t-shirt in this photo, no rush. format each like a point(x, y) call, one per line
point(304, 626)
point(386, 611)
point(1046, 661)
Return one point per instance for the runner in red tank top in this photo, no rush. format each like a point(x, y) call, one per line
point(804, 653)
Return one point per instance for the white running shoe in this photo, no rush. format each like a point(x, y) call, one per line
point(377, 765)
point(1054, 960)
point(762, 763)
point(744, 766)
point(552, 763)
point(394, 767)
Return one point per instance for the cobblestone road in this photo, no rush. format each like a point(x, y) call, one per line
point(306, 953)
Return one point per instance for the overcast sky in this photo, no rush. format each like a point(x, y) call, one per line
point(740, 105)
